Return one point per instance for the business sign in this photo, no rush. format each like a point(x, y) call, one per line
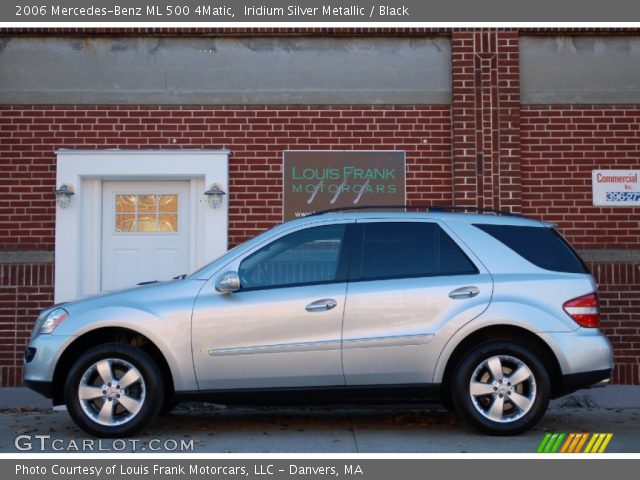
point(323, 180)
point(616, 188)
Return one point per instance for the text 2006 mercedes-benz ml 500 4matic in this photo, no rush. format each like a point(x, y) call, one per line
point(493, 313)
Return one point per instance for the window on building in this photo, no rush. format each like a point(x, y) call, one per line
point(146, 213)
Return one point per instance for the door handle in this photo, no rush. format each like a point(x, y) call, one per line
point(321, 305)
point(464, 292)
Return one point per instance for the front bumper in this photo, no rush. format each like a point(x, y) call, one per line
point(41, 358)
point(43, 388)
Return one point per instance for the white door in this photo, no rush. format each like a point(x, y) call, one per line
point(145, 232)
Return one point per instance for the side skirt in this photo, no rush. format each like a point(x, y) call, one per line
point(331, 395)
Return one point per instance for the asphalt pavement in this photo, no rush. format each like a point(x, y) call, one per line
point(28, 424)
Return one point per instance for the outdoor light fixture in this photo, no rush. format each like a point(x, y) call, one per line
point(215, 195)
point(63, 195)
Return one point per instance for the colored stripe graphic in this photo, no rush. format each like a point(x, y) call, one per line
point(574, 442)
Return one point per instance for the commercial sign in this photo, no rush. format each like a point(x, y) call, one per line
point(616, 188)
point(323, 180)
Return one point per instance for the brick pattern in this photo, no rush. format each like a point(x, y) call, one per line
point(24, 291)
point(485, 119)
point(255, 135)
point(619, 291)
point(561, 145)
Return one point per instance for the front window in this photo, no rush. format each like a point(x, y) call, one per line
point(305, 257)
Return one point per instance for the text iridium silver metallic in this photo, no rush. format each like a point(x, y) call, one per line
point(344, 332)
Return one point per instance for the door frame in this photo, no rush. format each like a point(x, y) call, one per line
point(78, 240)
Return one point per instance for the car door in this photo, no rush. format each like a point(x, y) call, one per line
point(282, 327)
point(410, 285)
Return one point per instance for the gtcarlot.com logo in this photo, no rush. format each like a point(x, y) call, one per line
point(574, 442)
point(47, 443)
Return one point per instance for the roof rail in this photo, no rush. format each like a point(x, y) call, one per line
point(425, 208)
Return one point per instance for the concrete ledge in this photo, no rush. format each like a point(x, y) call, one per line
point(592, 256)
point(610, 256)
point(27, 256)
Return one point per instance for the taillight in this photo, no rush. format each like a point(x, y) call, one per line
point(584, 310)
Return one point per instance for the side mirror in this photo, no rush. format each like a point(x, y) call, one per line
point(229, 282)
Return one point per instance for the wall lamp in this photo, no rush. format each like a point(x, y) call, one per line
point(63, 195)
point(215, 195)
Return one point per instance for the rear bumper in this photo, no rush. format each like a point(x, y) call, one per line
point(576, 381)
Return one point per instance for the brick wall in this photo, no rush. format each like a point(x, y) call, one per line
point(24, 291)
point(619, 291)
point(561, 145)
point(256, 136)
point(485, 118)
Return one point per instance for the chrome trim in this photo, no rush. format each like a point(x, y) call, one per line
point(464, 292)
point(321, 305)
point(390, 341)
point(277, 348)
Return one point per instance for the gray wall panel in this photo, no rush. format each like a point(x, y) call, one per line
point(588, 69)
point(225, 70)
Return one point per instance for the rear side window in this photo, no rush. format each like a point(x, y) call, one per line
point(407, 249)
point(542, 246)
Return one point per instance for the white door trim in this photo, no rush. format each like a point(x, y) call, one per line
point(78, 227)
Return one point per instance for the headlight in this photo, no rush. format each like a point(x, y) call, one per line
point(53, 319)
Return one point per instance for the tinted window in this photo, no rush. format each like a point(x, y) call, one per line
point(542, 246)
point(407, 249)
point(300, 258)
point(453, 261)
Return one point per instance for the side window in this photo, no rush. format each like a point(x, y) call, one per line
point(305, 257)
point(453, 261)
point(407, 249)
point(542, 246)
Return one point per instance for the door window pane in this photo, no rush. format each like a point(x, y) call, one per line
point(398, 249)
point(408, 249)
point(146, 213)
point(125, 222)
point(301, 258)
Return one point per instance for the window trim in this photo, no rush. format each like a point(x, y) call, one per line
point(356, 269)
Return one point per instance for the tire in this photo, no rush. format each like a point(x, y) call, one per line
point(168, 405)
point(496, 405)
point(107, 408)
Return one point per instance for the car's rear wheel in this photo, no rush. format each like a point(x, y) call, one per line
point(501, 388)
point(114, 390)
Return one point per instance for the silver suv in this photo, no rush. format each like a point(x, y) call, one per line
point(493, 313)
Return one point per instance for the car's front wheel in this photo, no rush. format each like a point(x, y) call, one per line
point(501, 388)
point(114, 390)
